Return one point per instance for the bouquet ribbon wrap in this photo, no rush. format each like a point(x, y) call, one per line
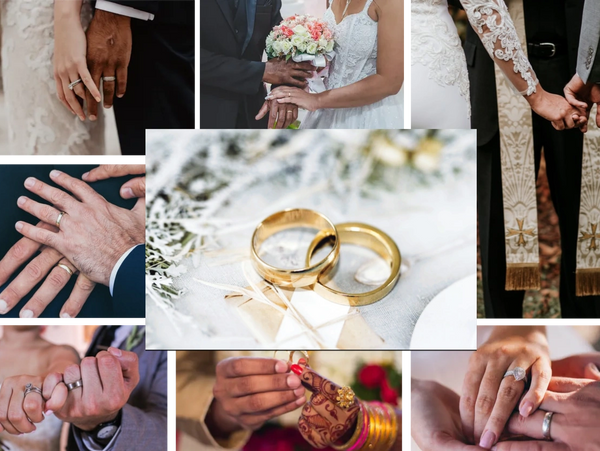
point(315, 83)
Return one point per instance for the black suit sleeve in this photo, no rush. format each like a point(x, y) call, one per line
point(129, 286)
point(231, 74)
point(147, 6)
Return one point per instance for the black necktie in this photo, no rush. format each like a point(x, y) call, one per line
point(105, 338)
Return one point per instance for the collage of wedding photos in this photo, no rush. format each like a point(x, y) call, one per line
point(295, 225)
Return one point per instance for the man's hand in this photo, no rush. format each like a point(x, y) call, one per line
point(582, 366)
point(133, 188)
point(108, 380)
point(108, 55)
point(581, 95)
point(42, 267)
point(278, 71)
point(281, 116)
point(250, 391)
point(93, 234)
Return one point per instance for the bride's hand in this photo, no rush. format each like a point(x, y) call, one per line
point(44, 267)
point(287, 94)
point(488, 398)
point(323, 422)
point(70, 63)
point(557, 110)
point(15, 409)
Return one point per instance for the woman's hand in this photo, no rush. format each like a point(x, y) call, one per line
point(489, 398)
point(582, 366)
point(250, 391)
point(574, 426)
point(18, 413)
point(323, 422)
point(70, 56)
point(557, 110)
point(45, 269)
point(436, 423)
point(287, 94)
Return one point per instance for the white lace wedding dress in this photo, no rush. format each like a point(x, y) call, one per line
point(38, 123)
point(356, 58)
point(440, 81)
point(46, 437)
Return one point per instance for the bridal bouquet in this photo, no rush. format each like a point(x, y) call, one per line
point(303, 38)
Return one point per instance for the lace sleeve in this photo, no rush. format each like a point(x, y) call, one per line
point(492, 22)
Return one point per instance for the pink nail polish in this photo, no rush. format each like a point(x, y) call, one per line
point(488, 440)
point(526, 409)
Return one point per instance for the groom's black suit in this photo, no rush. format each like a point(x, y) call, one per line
point(558, 22)
point(160, 87)
point(232, 41)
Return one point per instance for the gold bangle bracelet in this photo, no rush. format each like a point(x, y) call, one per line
point(366, 236)
point(355, 435)
point(288, 219)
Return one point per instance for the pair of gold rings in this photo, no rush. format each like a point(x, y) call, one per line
point(316, 275)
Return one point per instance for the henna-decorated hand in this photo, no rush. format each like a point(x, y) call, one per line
point(323, 422)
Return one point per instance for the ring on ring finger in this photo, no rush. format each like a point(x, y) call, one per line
point(75, 83)
point(59, 219)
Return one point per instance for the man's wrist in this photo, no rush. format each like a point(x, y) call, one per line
point(112, 19)
point(89, 426)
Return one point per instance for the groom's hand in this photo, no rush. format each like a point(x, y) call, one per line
point(108, 55)
point(581, 95)
point(278, 71)
point(107, 382)
point(280, 115)
point(131, 189)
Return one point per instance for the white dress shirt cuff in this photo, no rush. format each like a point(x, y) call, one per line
point(113, 274)
point(91, 445)
point(115, 8)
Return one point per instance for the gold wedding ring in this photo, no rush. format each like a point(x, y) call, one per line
point(66, 268)
point(60, 216)
point(289, 219)
point(366, 236)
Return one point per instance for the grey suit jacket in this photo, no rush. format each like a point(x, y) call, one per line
point(144, 417)
point(588, 61)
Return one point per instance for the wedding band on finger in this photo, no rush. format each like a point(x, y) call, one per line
point(59, 219)
point(518, 373)
point(66, 268)
point(73, 385)
point(109, 78)
point(546, 424)
point(75, 83)
point(30, 388)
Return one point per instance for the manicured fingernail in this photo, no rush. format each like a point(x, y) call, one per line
point(3, 306)
point(98, 99)
point(296, 369)
point(85, 176)
point(82, 118)
point(19, 226)
point(526, 409)
point(55, 173)
point(21, 201)
point(93, 118)
point(26, 313)
point(299, 391)
point(302, 361)
point(29, 182)
point(65, 315)
point(115, 351)
point(494, 448)
point(280, 366)
point(301, 401)
point(487, 440)
point(127, 193)
point(293, 381)
point(49, 412)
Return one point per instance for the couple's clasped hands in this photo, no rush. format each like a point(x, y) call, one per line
point(498, 412)
point(79, 232)
point(85, 395)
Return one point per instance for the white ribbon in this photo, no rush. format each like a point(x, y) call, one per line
point(315, 83)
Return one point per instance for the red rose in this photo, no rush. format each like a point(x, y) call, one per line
point(371, 376)
point(389, 394)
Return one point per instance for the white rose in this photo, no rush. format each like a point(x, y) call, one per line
point(311, 48)
point(277, 47)
point(286, 47)
point(297, 41)
point(329, 47)
point(300, 30)
point(323, 43)
point(302, 46)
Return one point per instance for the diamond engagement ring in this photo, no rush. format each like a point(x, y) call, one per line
point(73, 385)
point(75, 83)
point(29, 388)
point(546, 425)
point(518, 373)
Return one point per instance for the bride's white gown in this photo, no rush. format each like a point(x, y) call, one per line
point(440, 80)
point(356, 58)
point(38, 123)
point(46, 437)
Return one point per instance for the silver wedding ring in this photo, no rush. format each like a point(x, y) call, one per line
point(75, 83)
point(109, 78)
point(29, 388)
point(518, 373)
point(73, 385)
point(66, 268)
point(60, 216)
point(546, 425)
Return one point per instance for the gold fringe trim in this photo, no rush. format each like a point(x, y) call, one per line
point(587, 282)
point(522, 277)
